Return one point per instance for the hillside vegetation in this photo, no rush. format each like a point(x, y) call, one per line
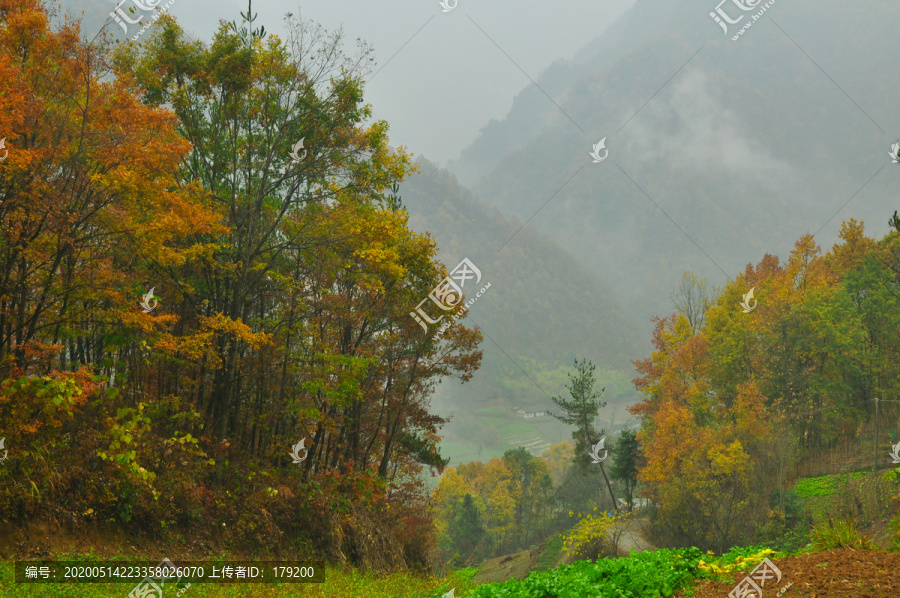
point(210, 339)
point(210, 347)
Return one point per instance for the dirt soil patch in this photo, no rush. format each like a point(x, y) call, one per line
point(839, 573)
point(510, 566)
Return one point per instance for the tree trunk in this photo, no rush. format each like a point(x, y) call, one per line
point(611, 495)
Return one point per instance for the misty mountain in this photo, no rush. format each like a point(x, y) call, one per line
point(542, 310)
point(542, 302)
point(719, 149)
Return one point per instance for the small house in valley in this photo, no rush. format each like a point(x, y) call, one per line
point(532, 412)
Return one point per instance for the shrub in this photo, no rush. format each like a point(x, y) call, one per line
point(596, 536)
point(793, 539)
point(835, 534)
point(785, 530)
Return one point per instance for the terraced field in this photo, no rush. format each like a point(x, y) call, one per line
point(523, 434)
point(533, 442)
point(496, 422)
point(512, 432)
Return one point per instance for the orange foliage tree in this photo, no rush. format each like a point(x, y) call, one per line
point(804, 364)
point(284, 279)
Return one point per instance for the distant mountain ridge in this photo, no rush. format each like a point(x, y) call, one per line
point(531, 109)
point(719, 150)
point(542, 302)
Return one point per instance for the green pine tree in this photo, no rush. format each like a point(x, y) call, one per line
point(467, 534)
point(624, 468)
point(582, 409)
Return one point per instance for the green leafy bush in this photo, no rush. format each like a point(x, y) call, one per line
point(792, 540)
point(785, 530)
point(893, 477)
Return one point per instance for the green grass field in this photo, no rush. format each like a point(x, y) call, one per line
point(516, 428)
point(460, 452)
point(492, 411)
point(495, 422)
point(338, 584)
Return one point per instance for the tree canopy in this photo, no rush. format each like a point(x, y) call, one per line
point(725, 403)
point(283, 275)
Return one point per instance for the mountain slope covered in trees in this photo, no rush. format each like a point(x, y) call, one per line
point(744, 145)
point(543, 309)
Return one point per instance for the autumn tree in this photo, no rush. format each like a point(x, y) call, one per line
point(305, 297)
point(693, 298)
point(533, 492)
point(88, 184)
point(514, 496)
point(243, 183)
point(750, 393)
point(559, 458)
point(89, 193)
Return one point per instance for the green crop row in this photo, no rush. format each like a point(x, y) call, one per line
point(651, 574)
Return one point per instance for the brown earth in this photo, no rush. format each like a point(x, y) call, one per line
point(510, 566)
point(838, 573)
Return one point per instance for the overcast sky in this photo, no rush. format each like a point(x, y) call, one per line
point(449, 79)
